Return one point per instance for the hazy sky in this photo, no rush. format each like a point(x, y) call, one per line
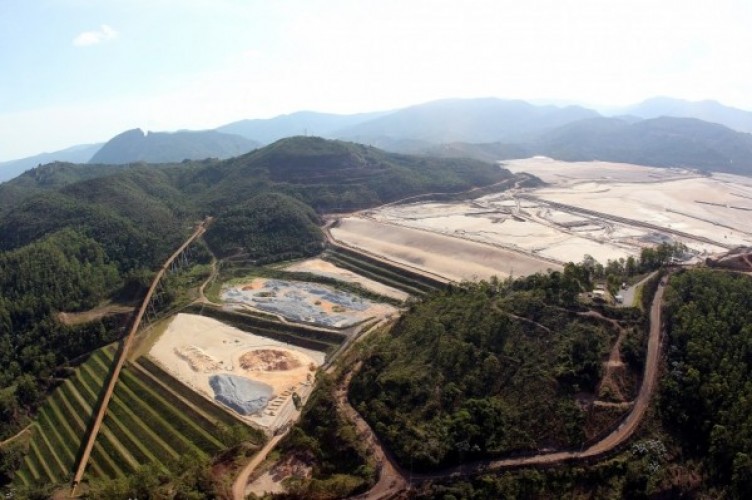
point(78, 71)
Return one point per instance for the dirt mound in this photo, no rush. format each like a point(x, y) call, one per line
point(197, 359)
point(739, 259)
point(269, 360)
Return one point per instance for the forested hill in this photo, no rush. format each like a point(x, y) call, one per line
point(337, 175)
point(489, 370)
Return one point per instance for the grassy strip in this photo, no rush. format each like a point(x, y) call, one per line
point(49, 459)
point(58, 422)
point(99, 364)
point(110, 447)
point(410, 278)
point(406, 274)
point(32, 462)
point(220, 414)
point(148, 414)
point(176, 417)
point(318, 340)
point(160, 449)
point(66, 449)
point(380, 271)
point(78, 384)
point(28, 465)
point(44, 471)
point(75, 404)
point(133, 445)
point(22, 476)
point(330, 337)
point(117, 462)
point(186, 407)
point(63, 456)
point(119, 453)
point(375, 273)
point(101, 457)
point(49, 451)
point(372, 275)
point(76, 395)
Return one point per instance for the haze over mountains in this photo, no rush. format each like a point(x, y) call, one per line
point(162, 147)
point(658, 132)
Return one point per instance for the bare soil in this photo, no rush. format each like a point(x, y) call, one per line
point(80, 318)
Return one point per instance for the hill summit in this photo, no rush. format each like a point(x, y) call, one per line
point(163, 147)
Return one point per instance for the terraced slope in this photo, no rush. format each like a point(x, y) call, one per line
point(152, 419)
point(401, 279)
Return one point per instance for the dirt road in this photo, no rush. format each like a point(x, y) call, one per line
point(241, 482)
point(91, 438)
point(393, 477)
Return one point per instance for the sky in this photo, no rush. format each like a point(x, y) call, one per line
point(81, 71)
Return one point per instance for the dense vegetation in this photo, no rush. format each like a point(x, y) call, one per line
point(65, 271)
point(154, 423)
point(485, 370)
point(707, 391)
point(696, 441)
point(331, 444)
point(268, 225)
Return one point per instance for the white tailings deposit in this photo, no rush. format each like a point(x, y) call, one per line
point(524, 231)
point(305, 302)
point(253, 375)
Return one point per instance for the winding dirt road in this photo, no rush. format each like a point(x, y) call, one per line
point(393, 479)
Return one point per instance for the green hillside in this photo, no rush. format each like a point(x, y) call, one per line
point(488, 370)
point(267, 224)
point(695, 442)
point(152, 420)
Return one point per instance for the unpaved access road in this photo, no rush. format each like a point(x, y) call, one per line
point(107, 395)
point(241, 483)
point(394, 479)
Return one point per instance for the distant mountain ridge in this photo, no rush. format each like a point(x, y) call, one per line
point(489, 129)
point(311, 123)
point(709, 111)
point(661, 142)
point(165, 147)
point(74, 154)
point(465, 120)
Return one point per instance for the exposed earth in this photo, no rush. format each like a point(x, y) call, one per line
point(609, 211)
point(305, 302)
point(216, 360)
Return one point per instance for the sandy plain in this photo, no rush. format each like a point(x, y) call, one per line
point(452, 257)
point(194, 347)
point(522, 231)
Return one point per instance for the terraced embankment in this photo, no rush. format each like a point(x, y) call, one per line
point(152, 419)
point(412, 282)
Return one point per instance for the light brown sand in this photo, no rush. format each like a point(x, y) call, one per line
point(453, 258)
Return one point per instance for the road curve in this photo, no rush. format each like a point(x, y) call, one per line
point(91, 438)
point(399, 477)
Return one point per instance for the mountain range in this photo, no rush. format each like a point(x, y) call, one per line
point(658, 132)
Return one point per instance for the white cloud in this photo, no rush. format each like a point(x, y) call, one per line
point(104, 34)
